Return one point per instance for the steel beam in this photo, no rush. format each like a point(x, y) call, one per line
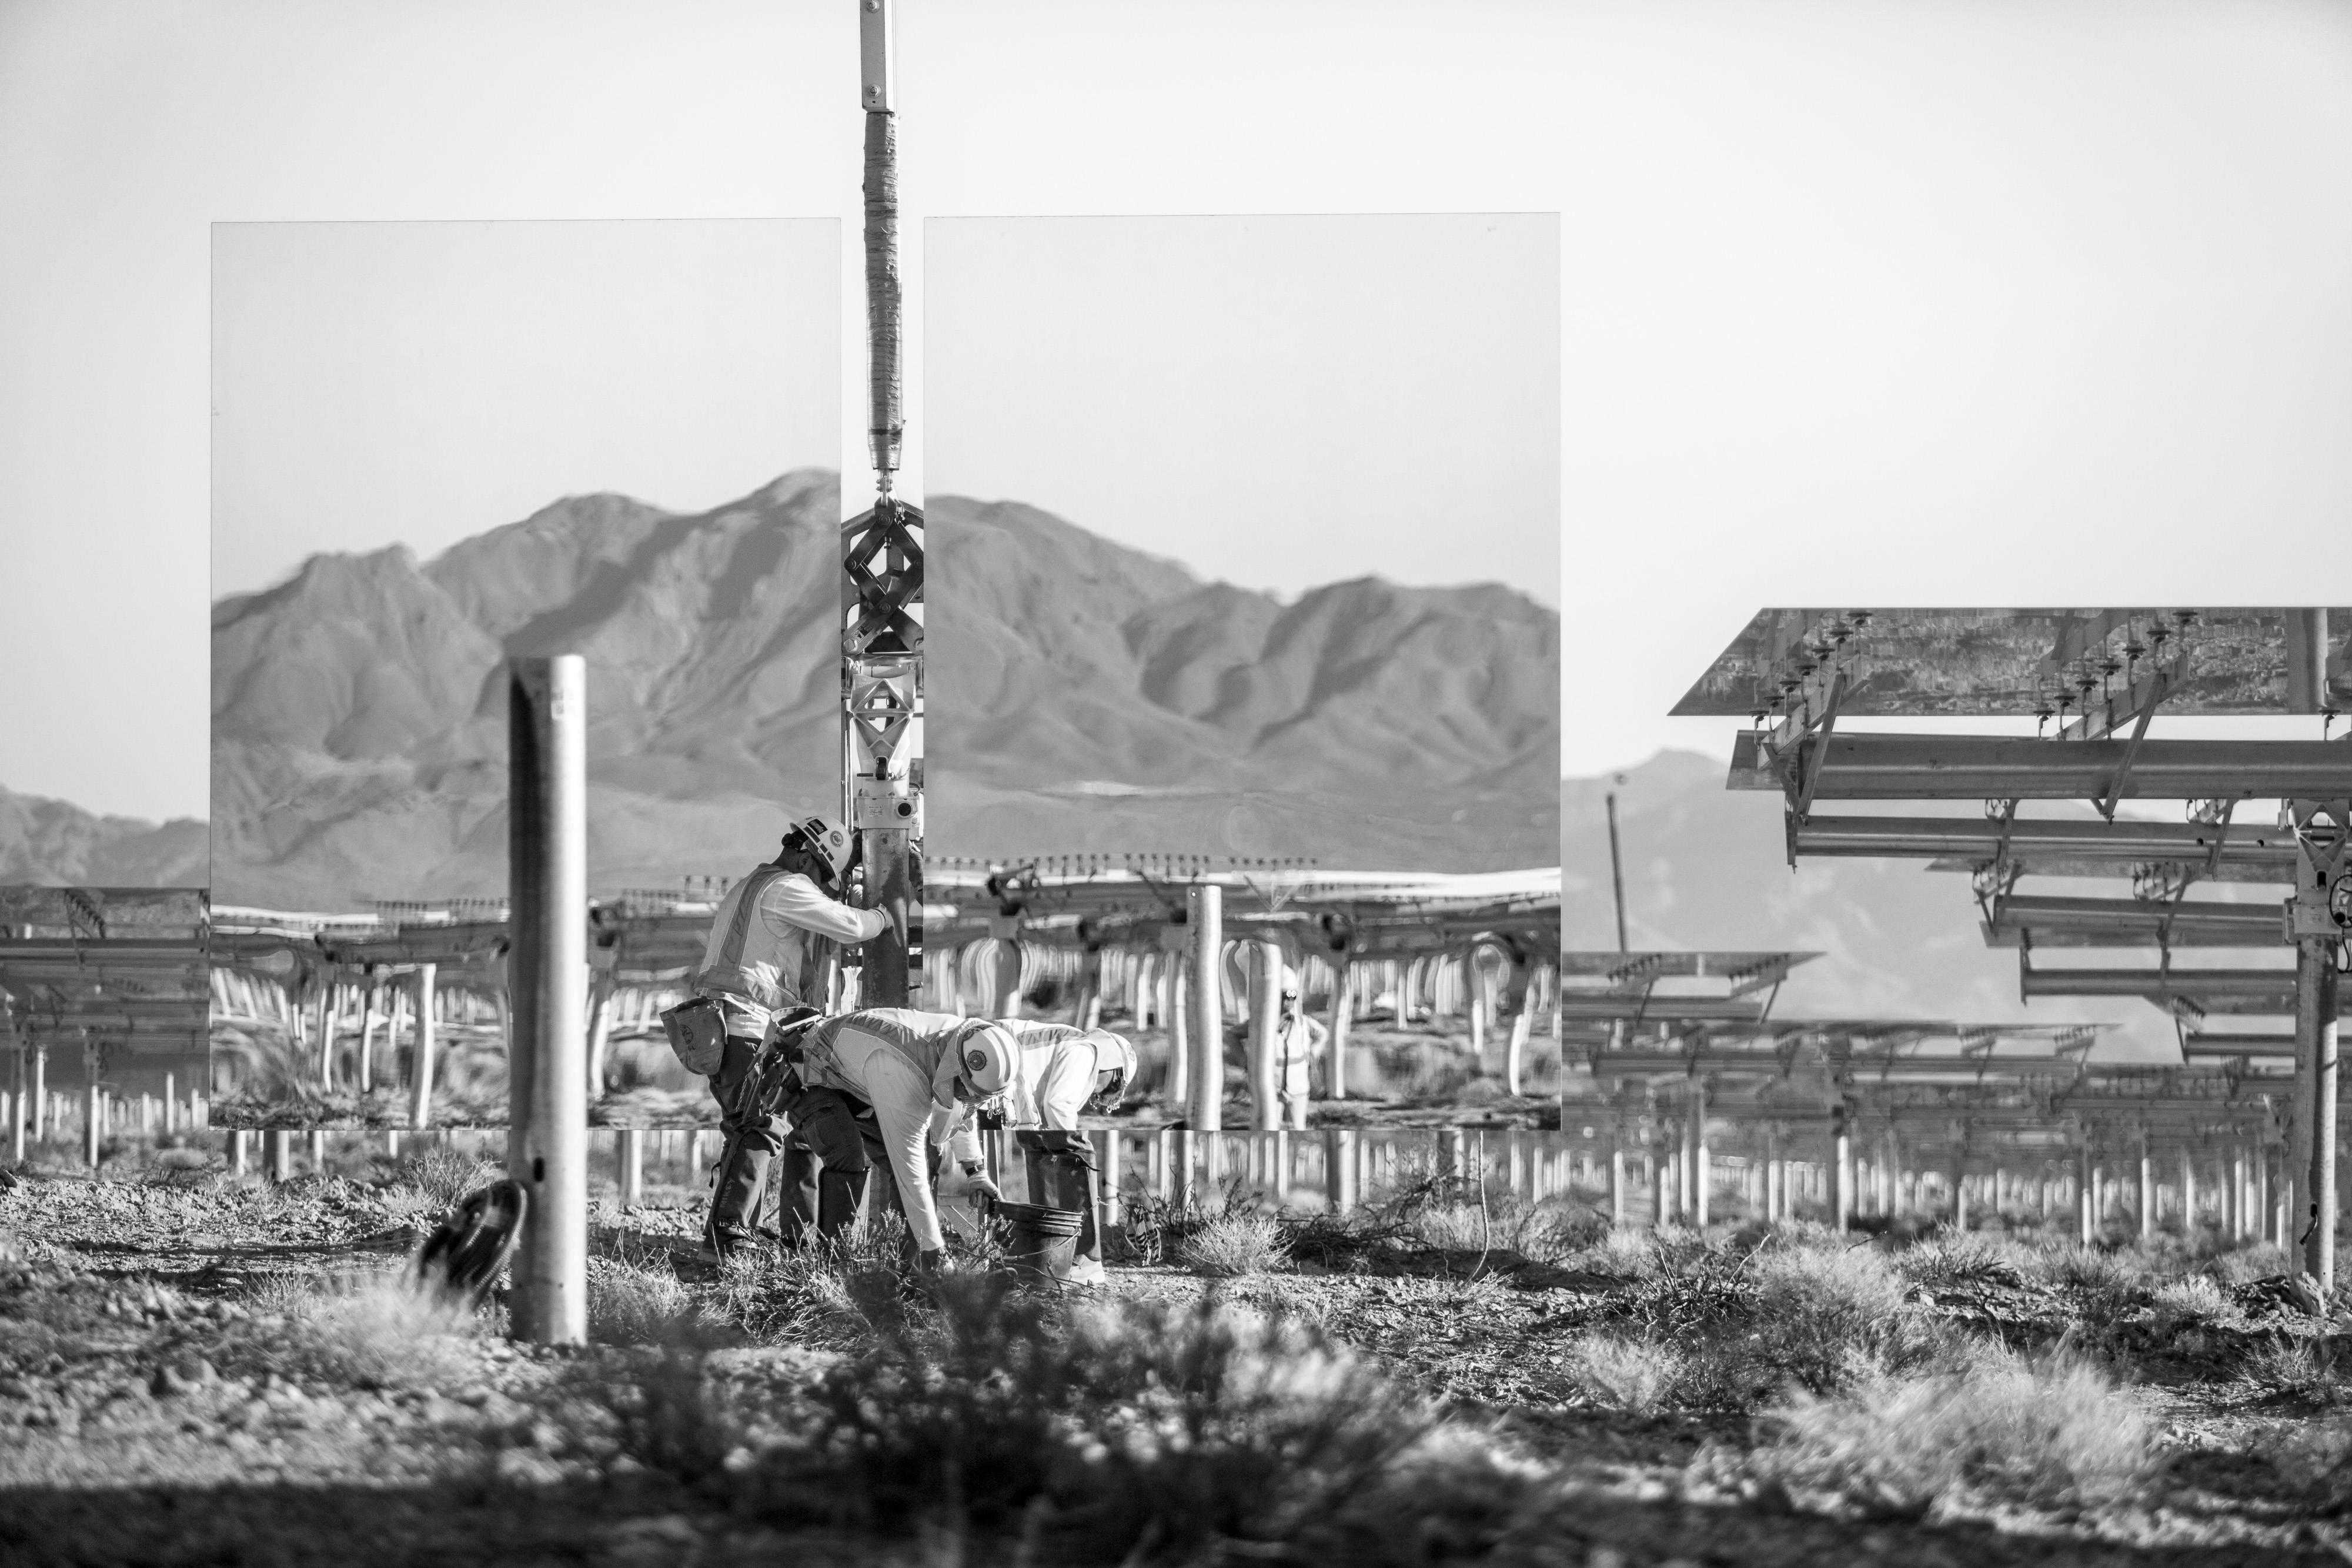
point(1880, 767)
point(2199, 986)
point(1974, 839)
point(2024, 921)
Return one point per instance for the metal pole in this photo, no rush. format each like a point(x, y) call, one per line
point(1264, 1025)
point(1335, 1044)
point(632, 1159)
point(547, 868)
point(1617, 870)
point(2315, 1003)
point(420, 1059)
point(882, 585)
point(1179, 1086)
point(1205, 906)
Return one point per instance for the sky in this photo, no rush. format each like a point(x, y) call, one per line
point(1277, 401)
point(419, 382)
point(1898, 301)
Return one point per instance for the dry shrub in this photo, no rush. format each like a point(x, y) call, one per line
point(827, 1296)
point(357, 1332)
point(2310, 1370)
point(1235, 1245)
point(1953, 1261)
point(1621, 1374)
point(2255, 1261)
point(441, 1176)
point(1137, 1431)
point(632, 1303)
point(1746, 1328)
point(1620, 1255)
point(2049, 1434)
point(2190, 1304)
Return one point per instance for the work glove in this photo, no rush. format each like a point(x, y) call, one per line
point(982, 1193)
point(934, 1263)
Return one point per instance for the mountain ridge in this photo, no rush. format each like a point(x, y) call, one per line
point(359, 716)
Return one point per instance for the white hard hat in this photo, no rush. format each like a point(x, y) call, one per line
point(985, 1059)
point(825, 839)
point(1113, 1053)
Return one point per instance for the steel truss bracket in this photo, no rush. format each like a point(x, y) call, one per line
point(2321, 905)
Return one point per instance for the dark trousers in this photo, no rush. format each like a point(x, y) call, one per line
point(740, 1182)
point(833, 1150)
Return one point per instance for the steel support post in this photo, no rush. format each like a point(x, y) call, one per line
point(1335, 1044)
point(1842, 1181)
point(1340, 1169)
point(93, 1123)
point(281, 1155)
point(1617, 1182)
point(366, 1064)
point(2316, 1001)
point(630, 1158)
point(1174, 941)
point(420, 1056)
point(883, 585)
point(600, 1030)
point(1702, 1176)
point(1204, 913)
point(1266, 968)
point(1518, 990)
point(547, 862)
point(2146, 1192)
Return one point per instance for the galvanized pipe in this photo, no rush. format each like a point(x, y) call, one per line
point(547, 860)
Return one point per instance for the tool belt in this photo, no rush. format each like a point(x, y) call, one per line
point(774, 1086)
point(698, 1034)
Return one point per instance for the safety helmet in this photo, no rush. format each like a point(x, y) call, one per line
point(985, 1059)
point(825, 839)
point(1114, 1054)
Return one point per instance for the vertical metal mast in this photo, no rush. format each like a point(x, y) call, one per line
point(882, 586)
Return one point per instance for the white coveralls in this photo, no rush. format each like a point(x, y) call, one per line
point(1298, 1039)
point(1054, 1077)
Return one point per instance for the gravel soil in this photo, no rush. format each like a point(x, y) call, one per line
point(166, 1399)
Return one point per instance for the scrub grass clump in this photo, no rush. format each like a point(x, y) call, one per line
point(368, 1332)
point(1232, 1245)
point(2050, 1433)
point(1129, 1432)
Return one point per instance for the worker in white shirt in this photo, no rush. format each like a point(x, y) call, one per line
point(765, 955)
point(879, 1088)
point(1065, 1072)
point(1298, 1040)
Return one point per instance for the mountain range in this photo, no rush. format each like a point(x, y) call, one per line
point(1089, 698)
point(56, 843)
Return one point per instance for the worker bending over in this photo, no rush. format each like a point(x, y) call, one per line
point(1063, 1073)
point(765, 957)
point(881, 1088)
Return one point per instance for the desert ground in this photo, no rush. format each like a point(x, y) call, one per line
point(202, 1368)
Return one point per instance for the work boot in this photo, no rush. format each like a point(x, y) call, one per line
point(1085, 1271)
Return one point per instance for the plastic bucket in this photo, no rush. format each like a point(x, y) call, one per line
point(1038, 1239)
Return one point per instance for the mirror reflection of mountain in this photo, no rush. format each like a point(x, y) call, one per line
point(1087, 697)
